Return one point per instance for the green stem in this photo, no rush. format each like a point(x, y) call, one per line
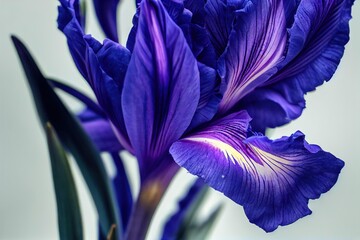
point(151, 193)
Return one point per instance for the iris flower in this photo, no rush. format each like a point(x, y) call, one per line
point(198, 84)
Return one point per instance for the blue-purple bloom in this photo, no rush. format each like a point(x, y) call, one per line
point(200, 81)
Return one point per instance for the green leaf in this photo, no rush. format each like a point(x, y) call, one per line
point(68, 210)
point(192, 212)
point(201, 231)
point(73, 138)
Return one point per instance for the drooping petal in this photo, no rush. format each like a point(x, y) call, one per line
point(256, 44)
point(273, 180)
point(315, 47)
point(106, 13)
point(160, 95)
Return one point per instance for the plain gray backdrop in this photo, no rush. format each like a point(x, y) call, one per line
point(27, 202)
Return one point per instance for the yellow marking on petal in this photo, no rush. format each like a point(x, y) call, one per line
point(228, 151)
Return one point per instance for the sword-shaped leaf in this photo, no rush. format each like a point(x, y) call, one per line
point(74, 139)
point(68, 210)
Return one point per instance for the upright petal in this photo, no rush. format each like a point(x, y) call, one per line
point(317, 38)
point(106, 14)
point(107, 86)
point(219, 18)
point(102, 65)
point(256, 44)
point(160, 94)
point(273, 180)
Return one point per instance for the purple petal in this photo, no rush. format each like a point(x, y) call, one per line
point(316, 45)
point(161, 88)
point(100, 131)
point(209, 96)
point(219, 17)
point(107, 90)
point(304, 67)
point(122, 190)
point(106, 14)
point(269, 108)
point(256, 44)
point(273, 180)
point(69, 24)
point(102, 65)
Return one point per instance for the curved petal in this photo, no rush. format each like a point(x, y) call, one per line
point(160, 95)
point(256, 44)
point(106, 13)
point(68, 23)
point(209, 96)
point(219, 18)
point(102, 65)
point(273, 180)
point(315, 47)
point(107, 90)
point(100, 131)
point(268, 109)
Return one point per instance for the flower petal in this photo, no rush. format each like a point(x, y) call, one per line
point(107, 90)
point(316, 45)
point(160, 95)
point(256, 44)
point(102, 65)
point(106, 13)
point(69, 24)
point(219, 17)
point(100, 131)
point(273, 180)
point(269, 108)
point(209, 96)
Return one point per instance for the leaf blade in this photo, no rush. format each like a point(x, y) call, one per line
point(68, 209)
point(72, 136)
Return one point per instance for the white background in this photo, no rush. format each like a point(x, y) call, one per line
point(27, 203)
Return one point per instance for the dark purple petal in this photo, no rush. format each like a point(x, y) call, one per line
point(122, 190)
point(219, 17)
point(272, 180)
point(209, 96)
point(256, 44)
point(269, 108)
point(106, 14)
point(160, 94)
point(70, 26)
point(102, 65)
point(107, 90)
point(196, 7)
point(100, 131)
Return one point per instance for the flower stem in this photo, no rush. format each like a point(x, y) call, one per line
point(150, 195)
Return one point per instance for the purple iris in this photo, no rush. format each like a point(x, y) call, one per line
point(200, 81)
